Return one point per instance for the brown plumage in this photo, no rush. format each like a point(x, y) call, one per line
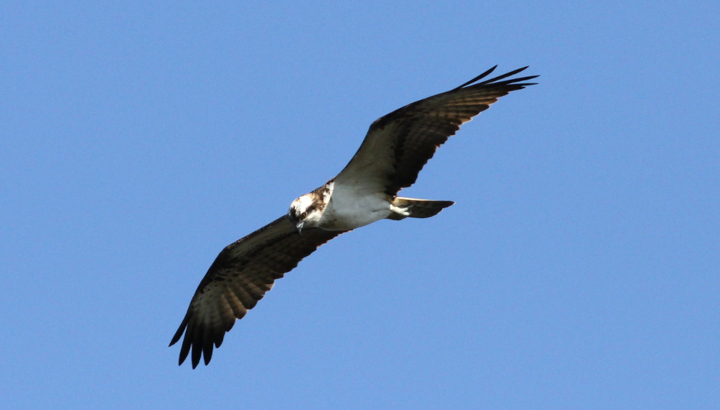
point(399, 144)
point(396, 148)
point(238, 279)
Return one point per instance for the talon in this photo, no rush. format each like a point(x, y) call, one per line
point(404, 211)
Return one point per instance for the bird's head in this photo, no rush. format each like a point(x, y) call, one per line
point(304, 212)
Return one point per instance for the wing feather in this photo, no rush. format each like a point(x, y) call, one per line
point(398, 145)
point(240, 276)
point(394, 151)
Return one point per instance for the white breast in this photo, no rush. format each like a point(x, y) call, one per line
point(351, 208)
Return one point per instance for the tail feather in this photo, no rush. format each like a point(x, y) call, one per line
point(418, 208)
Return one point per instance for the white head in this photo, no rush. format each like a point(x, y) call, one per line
point(306, 211)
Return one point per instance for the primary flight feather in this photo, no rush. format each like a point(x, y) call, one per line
point(395, 149)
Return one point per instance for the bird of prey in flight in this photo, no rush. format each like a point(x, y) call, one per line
point(395, 149)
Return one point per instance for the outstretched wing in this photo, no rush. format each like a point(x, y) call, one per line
point(398, 145)
point(239, 277)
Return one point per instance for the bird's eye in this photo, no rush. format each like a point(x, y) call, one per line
point(303, 215)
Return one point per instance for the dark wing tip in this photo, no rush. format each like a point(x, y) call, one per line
point(180, 331)
point(197, 344)
point(496, 80)
point(481, 76)
point(193, 341)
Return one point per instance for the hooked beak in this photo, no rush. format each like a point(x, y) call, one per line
point(299, 227)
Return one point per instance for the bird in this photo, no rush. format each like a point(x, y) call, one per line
point(391, 156)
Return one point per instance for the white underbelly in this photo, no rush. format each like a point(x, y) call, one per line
point(349, 209)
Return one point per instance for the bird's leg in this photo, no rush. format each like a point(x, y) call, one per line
point(402, 210)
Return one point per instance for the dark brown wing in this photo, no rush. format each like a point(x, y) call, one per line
point(239, 277)
point(398, 145)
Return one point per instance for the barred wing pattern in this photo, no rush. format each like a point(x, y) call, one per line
point(399, 144)
point(394, 151)
point(239, 277)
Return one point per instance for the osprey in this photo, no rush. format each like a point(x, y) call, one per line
point(395, 149)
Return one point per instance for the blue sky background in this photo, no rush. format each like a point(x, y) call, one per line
point(578, 269)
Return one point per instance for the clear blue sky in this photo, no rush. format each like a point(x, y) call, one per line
point(580, 267)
